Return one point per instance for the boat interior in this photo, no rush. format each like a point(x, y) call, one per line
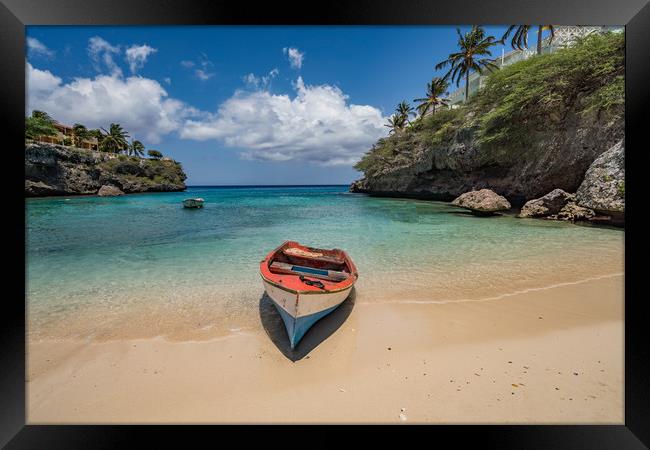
point(329, 265)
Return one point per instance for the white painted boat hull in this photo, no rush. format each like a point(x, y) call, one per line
point(300, 311)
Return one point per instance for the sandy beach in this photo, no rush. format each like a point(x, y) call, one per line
point(548, 355)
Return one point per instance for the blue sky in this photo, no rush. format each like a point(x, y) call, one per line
point(239, 104)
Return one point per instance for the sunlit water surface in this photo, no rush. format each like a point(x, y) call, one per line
point(142, 265)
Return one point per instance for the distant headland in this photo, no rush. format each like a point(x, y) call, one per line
point(73, 160)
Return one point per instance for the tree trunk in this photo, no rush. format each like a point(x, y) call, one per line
point(539, 39)
point(466, 86)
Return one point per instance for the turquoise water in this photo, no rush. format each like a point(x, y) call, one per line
point(142, 265)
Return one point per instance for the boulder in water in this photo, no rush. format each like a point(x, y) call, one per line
point(483, 202)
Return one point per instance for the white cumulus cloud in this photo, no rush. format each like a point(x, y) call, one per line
point(36, 47)
point(100, 50)
point(137, 55)
point(295, 56)
point(140, 105)
point(317, 125)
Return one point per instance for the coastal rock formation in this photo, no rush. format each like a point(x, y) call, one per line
point(517, 139)
point(603, 188)
point(482, 202)
point(547, 205)
point(558, 158)
point(109, 191)
point(59, 170)
point(573, 212)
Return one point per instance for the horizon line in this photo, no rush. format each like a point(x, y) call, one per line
point(267, 185)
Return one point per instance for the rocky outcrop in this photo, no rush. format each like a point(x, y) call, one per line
point(603, 187)
point(483, 202)
point(109, 191)
point(59, 170)
point(547, 205)
point(557, 159)
point(573, 212)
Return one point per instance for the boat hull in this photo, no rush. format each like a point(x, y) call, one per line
point(301, 310)
point(192, 204)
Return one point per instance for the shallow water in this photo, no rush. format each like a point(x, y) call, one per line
point(142, 265)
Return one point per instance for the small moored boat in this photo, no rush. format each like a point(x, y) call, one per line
point(193, 203)
point(305, 284)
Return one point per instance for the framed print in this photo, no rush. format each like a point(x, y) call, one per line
point(377, 214)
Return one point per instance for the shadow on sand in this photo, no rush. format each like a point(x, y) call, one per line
point(321, 330)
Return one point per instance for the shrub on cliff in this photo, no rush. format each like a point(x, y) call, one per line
point(530, 95)
point(166, 172)
point(155, 154)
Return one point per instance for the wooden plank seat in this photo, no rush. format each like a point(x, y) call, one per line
point(315, 256)
point(292, 269)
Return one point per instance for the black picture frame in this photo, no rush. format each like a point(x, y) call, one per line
point(16, 14)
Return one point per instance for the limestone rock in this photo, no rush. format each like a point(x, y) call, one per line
point(573, 212)
point(547, 205)
point(482, 202)
point(603, 188)
point(109, 191)
point(58, 170)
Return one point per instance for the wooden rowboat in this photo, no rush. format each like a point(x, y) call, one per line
point(305, 284)
point(193, 203)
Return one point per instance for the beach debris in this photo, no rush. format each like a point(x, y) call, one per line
point(476, 374)
point(515, 385)
point(557, 388)
point(389, 348)
point(575, 373)
point(342, 390)
point(402, 416)
point(509, 362)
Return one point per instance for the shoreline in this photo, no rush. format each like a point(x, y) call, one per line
point(362, 364)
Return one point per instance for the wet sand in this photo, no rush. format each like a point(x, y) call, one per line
point(548, 355)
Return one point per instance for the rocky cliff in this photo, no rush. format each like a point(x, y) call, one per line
point(58, 170)
point(538, 125)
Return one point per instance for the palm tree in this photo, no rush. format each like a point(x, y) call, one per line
point(520, 37)
point(472, 44)
point(435, 89)
point(136, 148)
point(80, 134)
point(405, 110)
point(396, 123)
point(114, 140)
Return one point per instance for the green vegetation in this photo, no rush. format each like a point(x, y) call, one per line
point(114, 140)
point(136, 148)
point(621, 189)
point(39, 124)
point(519, 101)
point(435, 89)
point(144, 171)
point(155, 154)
